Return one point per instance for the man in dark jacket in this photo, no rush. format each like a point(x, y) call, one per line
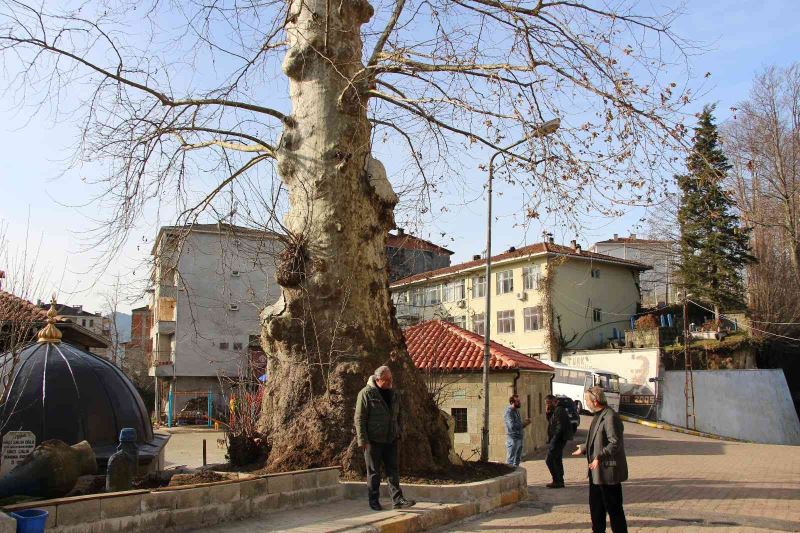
point(377, 421)
point(558, 432)
point(608, 466)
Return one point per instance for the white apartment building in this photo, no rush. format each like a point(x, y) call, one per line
point(660, 283)
point(209, 284)
point(545, 297)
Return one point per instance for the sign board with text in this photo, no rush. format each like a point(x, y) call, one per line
point(16, 447)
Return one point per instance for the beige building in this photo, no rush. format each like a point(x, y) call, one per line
point(451, 361)
point(94, 322)
point(545, 297)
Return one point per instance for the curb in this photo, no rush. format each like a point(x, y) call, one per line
point(447, 514)
point(677, 429)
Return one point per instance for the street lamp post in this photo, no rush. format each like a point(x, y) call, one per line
point(545, 129)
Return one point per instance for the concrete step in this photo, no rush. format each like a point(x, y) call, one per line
point(349, 516)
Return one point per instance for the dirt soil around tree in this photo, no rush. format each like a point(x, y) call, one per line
point(469, 472)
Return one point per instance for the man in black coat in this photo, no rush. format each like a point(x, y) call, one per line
point(558, 433)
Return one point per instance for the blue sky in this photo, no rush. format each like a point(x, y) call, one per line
point(41, 195)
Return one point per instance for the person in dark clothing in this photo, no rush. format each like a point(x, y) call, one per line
point(558, 432)
point(608, 467)
point(377, 421)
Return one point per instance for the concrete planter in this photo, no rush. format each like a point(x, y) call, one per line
point(515, 481)
point(188, 506)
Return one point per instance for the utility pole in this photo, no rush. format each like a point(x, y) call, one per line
point(688, 388)
point(545, 129)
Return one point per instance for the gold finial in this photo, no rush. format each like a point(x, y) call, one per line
point(50, 332)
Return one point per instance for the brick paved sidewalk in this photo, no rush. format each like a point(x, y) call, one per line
point(677, 481)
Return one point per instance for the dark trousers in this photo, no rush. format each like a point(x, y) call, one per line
point(382, 454)
point(555, 462)
point(606, 499)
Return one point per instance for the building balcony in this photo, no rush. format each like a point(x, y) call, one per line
point(165, 290)
point(162, 369)
point(163, 327)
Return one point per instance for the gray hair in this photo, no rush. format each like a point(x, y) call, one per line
point(381, 370)
point(597, 394)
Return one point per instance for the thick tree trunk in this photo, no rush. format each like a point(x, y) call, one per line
point(334, 323)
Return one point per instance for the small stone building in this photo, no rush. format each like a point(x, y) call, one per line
point(451, 360)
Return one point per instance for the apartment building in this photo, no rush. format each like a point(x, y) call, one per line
point(659, 284)
point(544, 297)
point(94, 322)
point(209, 284)
point(408, 255)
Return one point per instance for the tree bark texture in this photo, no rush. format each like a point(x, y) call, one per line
point(334, 323)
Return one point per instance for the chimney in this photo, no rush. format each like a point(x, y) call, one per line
point(616, 236)
point(633, 235)
point(550, 238)
point(578, 248)
point(476, 257)
point(573, 243)
point(401, 231)
point(512, 249)
point(79, 308)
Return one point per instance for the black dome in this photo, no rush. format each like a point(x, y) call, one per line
point(60, 392)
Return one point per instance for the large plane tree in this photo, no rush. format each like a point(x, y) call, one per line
point(174, 97)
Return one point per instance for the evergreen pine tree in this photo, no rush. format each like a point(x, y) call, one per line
point(714, 246)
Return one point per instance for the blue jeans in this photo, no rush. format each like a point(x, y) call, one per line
point(514, 450)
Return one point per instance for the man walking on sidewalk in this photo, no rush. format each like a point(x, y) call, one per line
point(377, 421)
point(559, 430)
point(514, 427)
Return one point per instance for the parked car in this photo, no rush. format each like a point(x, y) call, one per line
point(569, 405)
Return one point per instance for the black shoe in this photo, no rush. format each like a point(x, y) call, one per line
point(402, 503)
point(555, 485)
point(375, 506)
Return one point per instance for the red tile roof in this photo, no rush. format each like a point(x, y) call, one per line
point(632, 240)
point(437, 345)
point(19, 309)
point(410, 242)
point(542, 248)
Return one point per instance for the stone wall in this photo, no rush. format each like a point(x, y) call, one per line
point(188, 507)
point(465, 391)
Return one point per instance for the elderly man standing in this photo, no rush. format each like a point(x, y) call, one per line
point(608, 466)
point(378, 429)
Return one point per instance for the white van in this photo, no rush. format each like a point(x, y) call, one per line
point(572, 382)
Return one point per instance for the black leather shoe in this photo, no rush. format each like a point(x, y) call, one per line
point(555, 485)
point(402, 503)
point(375, 506)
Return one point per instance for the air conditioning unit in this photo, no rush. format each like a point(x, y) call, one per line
point(233, 307)
point(461, 303)
point(235, 273)
point(522, 296)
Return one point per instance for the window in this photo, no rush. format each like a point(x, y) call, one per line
point(254, 340)
point(479, 286)
point(479, 324)
point(460, 417)
point(460, 321)
point(505, 322)
point(595, 272)
point(83, 322)
point(505, 281)
point(533, 318)
point(453, 291)
point(223, 346)
point(432, 295)
point(235, 273)
point(233, 307)
point(531, 278)
point(597, 315)
point(459, 394)
point(91, 323)
point(416, 297)
point(237, 345)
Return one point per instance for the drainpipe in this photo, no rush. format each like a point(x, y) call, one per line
point(515, 381)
